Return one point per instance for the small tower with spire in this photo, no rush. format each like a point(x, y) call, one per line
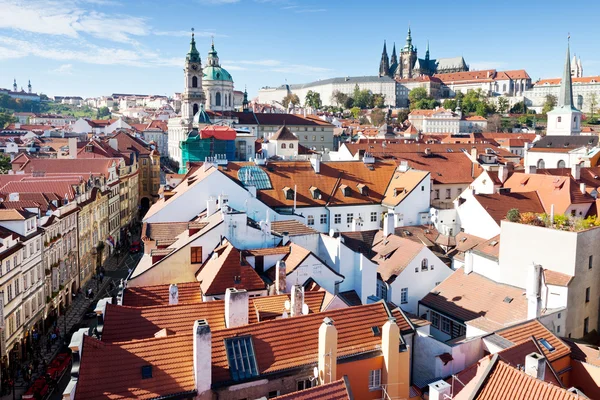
point(15, 87)
point(29, 86)
point(193, 94)
point(384, 64)
point(393, 61)
point(408, 57)
point(427, 52)
point(245, 103)
point(565, 119)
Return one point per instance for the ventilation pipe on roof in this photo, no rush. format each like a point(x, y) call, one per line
point(327, 356)
point(533, 291)
point(297, 296)
point(280, 275)
point(202, 347)
point(236, 307)
point(535, 366)
point(173, 294)
point(582, 188)
point(503, 173)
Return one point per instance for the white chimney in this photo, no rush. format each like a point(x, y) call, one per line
point(327, 356)
point(503, 173)
point(582, 187)
point(211, 206)
point(535, 366)
point(468, 262)
point(388, 223)
point(315, 161)
point(173, 294)
point(285, 238)
point(202, 348)
point(439, 390)
point(297, 296)
point(576, 171)
point(114, 143)
point(533, 291)
point(73, 147)
point(236, 307)
point(223, 200)
point(280, 275)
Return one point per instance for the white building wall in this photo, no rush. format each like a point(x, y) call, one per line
point(311, 267)
point(475, 220)
point(409, 211)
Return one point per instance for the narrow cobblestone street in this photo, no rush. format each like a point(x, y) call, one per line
point(116, 269)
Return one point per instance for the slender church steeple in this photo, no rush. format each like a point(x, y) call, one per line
point(565, 97)
point(15, 87)
point(193, 55)
point(408, 46)
point(384, 65)
point(427, 51)
point(29, 86)
point(394, 59)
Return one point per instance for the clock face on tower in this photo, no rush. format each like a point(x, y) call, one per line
point(194, 67)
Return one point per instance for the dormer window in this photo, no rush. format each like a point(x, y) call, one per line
point(362, 189)
point(398, 191)
point(289, 193)
point(345, 190)
point(315, 192)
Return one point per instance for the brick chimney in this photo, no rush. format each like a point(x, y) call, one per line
point(297, 297)
point(388, 223)
point(280, 275)
point(535, 365)
point(327, 356)
point(202, 356)
point(236, 307)
point(173, 294)
point(390, 347)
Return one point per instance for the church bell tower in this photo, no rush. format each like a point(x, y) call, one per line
point(193, 96)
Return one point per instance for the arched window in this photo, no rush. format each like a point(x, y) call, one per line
point(195, 81)
point(195, 109)
point(424, 265)
point(558, 119)
point(291, 146)
point(561, 164)
point(541, 164)
point(218, 99)
point(504, 88)
point(283, 145)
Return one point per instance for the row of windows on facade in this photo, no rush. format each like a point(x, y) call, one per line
point(27, 251)
point(31, 278)
point(436, 193)
point(262, 128)
point(337, 218)
point(541, 164)
point(14, 321)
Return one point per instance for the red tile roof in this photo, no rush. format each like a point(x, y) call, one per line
point(523, 332)
point(292, 227)
point(556, 278)
point(78, 166)
point(337, 390)
point(556, 81)
point(145, 296)
point(497, 205)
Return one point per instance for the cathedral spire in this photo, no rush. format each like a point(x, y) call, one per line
point(565, 97)
point(427, 51)
point(193, 55)
point(408, 46)
point(384, 64)
point(29, 86)
point(213, 58)
point(394, 59)
point(15, 85)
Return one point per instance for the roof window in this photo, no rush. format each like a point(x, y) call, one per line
point(547, 345)
point(345, 190)
point(241, 358)
point(289, 193)
point(146, 371)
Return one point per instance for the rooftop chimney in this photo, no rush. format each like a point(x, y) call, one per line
point(576, 171)
point(474, 153)
point(202, 356)
point(236, 307)
point(223, 200)
point(297, 297)
point(285, 239)
point(280, 274)
point(211, 206)
point(73, 147)
point(173, 294)
point(113, 143)
point(388, 223)
point(533, 291)
point(327, 355)
point(503, 173)
point(315, 161)
point(535, 365)
point(440, 390)
point(390, 347)
point(582, 187)
point(100, 310)
point(532, 169)
point(468, 262)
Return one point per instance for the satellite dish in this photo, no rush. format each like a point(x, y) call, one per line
point(304, 309)
point(287, 305)
point(316, 372)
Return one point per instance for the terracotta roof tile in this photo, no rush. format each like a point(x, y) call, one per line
point(292, 227)
point(394, 254)
point(268, 251)
point(283, 133)
point(465, 242)
point(490, 247)
point(145, 296)
point(497, 205)
point(523, 332)
point(332, 391)
point(583, 352)
point(468, 297)
point(556, 278)
point(402, 185)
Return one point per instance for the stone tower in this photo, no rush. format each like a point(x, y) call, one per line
point(408, 57)
point(384, 64)
point(193, 96)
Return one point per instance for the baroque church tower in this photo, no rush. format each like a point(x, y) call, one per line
point(408, 57)
point(193, 96)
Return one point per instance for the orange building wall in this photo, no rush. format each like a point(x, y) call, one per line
point(586, 377)
point(560, 365)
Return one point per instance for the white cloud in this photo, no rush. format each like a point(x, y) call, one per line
point(187, 33)
point(65, 69)
point(234, 68)
point(218, 2)
point(265, 63)
point(310, 10)
point(481, 65)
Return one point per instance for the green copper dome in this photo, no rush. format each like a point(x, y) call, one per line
point(216, 74)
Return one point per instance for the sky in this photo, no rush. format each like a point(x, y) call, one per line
point(92, 48)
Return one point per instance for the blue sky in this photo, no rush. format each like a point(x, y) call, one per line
point(98, 47)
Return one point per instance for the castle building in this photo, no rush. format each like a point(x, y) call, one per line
point(409, 65)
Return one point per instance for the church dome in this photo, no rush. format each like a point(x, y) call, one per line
point(216, 73)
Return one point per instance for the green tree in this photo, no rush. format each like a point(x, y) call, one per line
point(290, 98)
point(339, 98)
point(355, 111)
point(513, 215)
point(103, 112)
point(362, 98)
point(378, 100)
point(519, 108)
point(525, 120)
point(502, 104)
point(5, 164)
point(5, 119)
point(506, 125)
point(415, 96)
point(313, 99)
point(449, 104)
point(549, 103)
point(377, 117)
point(481, 109)
point(402, 115)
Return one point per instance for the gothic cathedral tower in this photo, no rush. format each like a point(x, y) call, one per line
point(408, 57)
point(193, 96)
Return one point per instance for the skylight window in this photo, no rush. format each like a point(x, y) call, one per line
point(241, 358)
point(254, 176)
point(146, 371)
point(547, 345)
